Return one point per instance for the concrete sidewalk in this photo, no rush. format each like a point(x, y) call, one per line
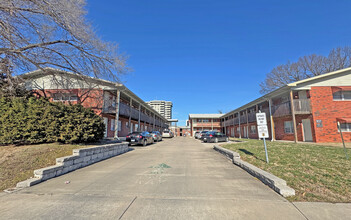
point(178, 178)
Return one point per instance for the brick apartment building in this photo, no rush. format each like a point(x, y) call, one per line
point(307, 110)
point(112, 101)
point(202, 122)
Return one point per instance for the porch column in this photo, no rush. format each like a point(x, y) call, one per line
point(117, 113)
point(153, 126)
point(293, 115)
point(130, 115)
point(247, 125)
point(211, 123)
point(233, 126)
point(239, 125)
point(139, 117)
point(272, 121)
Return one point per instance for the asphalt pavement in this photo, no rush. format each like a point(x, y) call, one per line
point(178, 178)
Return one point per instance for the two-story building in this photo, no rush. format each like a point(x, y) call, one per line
point(204, 122)
point(306, 110)
point(121, 110)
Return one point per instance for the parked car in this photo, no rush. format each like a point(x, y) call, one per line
point(202, 135)
point(215, 137)
point(156, 135)
point(197, 135)
point(167, 134)
point(142, 138)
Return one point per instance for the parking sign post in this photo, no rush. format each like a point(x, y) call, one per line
point(262, 130)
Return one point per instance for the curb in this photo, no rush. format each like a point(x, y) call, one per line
point(274, 182)
point(81, 158)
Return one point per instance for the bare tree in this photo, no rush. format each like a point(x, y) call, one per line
point(35, 34)
point(306, 67)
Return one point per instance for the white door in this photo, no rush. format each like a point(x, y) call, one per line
point(106, 125)
point(307, 131)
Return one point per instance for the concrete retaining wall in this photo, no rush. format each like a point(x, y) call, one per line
point(277, 184)
point(81, 158)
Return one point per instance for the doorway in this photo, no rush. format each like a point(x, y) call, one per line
point(307, 131)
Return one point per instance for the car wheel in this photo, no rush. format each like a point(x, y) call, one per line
point(226, 139)
point(216, 140)
point(144, 143)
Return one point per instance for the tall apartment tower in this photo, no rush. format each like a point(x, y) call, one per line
point(162, 107)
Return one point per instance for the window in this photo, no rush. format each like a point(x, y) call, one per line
point(64, 97)
point(253, 129)
point(288, 127)
point(127, 124)
point(199, 120)
point(112, 124)
point(342, 95)
point(205, 120)
point(345, 127)
point(119, 126)
point(238, 130)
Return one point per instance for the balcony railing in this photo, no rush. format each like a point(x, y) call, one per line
point(302, 106)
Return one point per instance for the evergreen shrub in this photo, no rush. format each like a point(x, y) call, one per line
point(36, 120)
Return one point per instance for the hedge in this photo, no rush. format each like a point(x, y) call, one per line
point(36, 120)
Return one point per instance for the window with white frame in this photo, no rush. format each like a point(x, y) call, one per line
point(288, 127)
point(112, 124)
point(345, 127)
point(119, 126)
point(238, 130)
point(253, 129)
point(342, 95)
point(64, 97)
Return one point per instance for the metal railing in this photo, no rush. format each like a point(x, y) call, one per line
point(302, 106)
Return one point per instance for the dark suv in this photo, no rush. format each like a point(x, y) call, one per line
point(142, 138)
point(215, 136)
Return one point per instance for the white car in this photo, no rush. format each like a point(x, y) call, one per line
point(167, 134)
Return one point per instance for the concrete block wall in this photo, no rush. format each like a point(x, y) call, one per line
point(81, 158)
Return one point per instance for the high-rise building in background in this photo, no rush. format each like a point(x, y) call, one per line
point(162, 107)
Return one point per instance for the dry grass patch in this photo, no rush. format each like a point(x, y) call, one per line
point(17, 163)
point(316, 172)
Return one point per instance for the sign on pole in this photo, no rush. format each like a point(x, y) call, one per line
point(262, 130)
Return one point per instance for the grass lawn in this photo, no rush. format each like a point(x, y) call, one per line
point(17, 163)
point(316, 172)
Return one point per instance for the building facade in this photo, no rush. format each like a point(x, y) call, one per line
point(204, 122)
point(308, 110)
point(122, 111)
point(162, 107)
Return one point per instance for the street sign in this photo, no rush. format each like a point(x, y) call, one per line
point(261, 119)
point(262, 131)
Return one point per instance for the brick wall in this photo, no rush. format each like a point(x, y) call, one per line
point(326, 109)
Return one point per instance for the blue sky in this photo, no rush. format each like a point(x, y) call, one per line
point(206, 56)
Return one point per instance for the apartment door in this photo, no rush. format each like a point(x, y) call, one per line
point(307, 131)
point(106, 124)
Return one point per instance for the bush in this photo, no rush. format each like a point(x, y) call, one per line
point(31, 121)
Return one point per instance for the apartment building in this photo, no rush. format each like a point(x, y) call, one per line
point(306, 110)
point(202, 122)
point(162, 107)
point(121, 110)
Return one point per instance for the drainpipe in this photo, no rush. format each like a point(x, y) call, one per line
point(117, 113)
point(293, 115)
point(272, 120)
